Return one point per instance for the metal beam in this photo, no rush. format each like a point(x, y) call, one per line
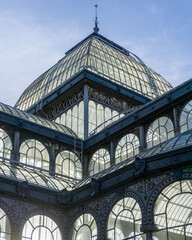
point(87, 76)
point(144, 114)
point(28, 126)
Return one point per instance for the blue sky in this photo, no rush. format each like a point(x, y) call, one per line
point(35, 34)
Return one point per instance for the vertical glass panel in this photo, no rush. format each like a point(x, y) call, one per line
point(5, 230)
point(101, 116)
point(84, 228)
point(99, 161)
point(68, 164)
point(41, 227)
point(186, 117)
point(34, 153)
point(127, 147)
point(159, 131)
point(73, 118)
point(124, 220)
point(92, 116)
point(5, 145)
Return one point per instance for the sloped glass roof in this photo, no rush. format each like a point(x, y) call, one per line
point(183, 140)
point(35, 119)
point(103, 57)
point(17, 171)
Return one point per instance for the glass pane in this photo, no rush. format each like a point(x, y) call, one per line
point(40, 227)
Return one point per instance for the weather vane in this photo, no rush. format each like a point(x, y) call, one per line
point(96, 29)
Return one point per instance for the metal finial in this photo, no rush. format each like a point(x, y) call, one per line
point(96, 29)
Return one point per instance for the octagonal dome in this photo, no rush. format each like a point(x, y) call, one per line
point(103, 57)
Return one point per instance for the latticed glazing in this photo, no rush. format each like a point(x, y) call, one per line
point(100, 56)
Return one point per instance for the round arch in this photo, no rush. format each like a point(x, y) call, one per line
point(68, 164)
point(185, 120)
point(81, 217)
point(5, 144)
point(41, 227)
point(173, 211)
point(159, 131)
point(48, 216)
point(99, 161)
point(34, 153)
point(127, 147)
point(134, 197)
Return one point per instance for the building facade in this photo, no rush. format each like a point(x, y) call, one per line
point(98, 147)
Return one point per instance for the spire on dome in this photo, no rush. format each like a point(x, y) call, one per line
point(96, 29)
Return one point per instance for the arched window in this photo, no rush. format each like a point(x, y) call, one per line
point(124, 220)
point(127, 147)
point(84, 228)
point(186, 117)
point(41, 227)
point(34, 153)
point(173, 211)
point(99, 161)
point(5, 145)
point(68, 164)
point(159, 131)
point(5, 229)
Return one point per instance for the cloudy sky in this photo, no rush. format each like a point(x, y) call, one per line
point(35, 34)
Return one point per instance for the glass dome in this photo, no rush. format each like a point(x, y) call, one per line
point(103, 57)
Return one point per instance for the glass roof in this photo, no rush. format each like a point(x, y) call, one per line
point(35, 119)
point(180, 141)
point(35, 177)
point(101, 56)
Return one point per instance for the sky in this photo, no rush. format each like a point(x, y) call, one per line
point(35, 34)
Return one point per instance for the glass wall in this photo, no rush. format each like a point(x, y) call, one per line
point(74, 119)
point(5, 145)
point(41, 227)
point(173, 212)
point(34, 153)
point(159, 131)
point(68, 164)
point(186, 117)
point(98, 114)
point(5, 229)
point(99, 161)
point(127, 147)
point(84, 228)
point(125, 220)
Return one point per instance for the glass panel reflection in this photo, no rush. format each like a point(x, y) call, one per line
point(173, 211)
point(68, 164)
point(34, 153)
point(41, 227)
point(186, 117)
point(124, 220)
point(99, 161)
point(159, 131)
point(127, 147)
point(5, 229)
point(5, 145)
point(84, 228)
point(102, 57)
point(73, 119)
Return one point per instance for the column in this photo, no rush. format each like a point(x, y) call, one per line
point(176, 121)
point(86, 112)
point(142, 138)
point(16, 144)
